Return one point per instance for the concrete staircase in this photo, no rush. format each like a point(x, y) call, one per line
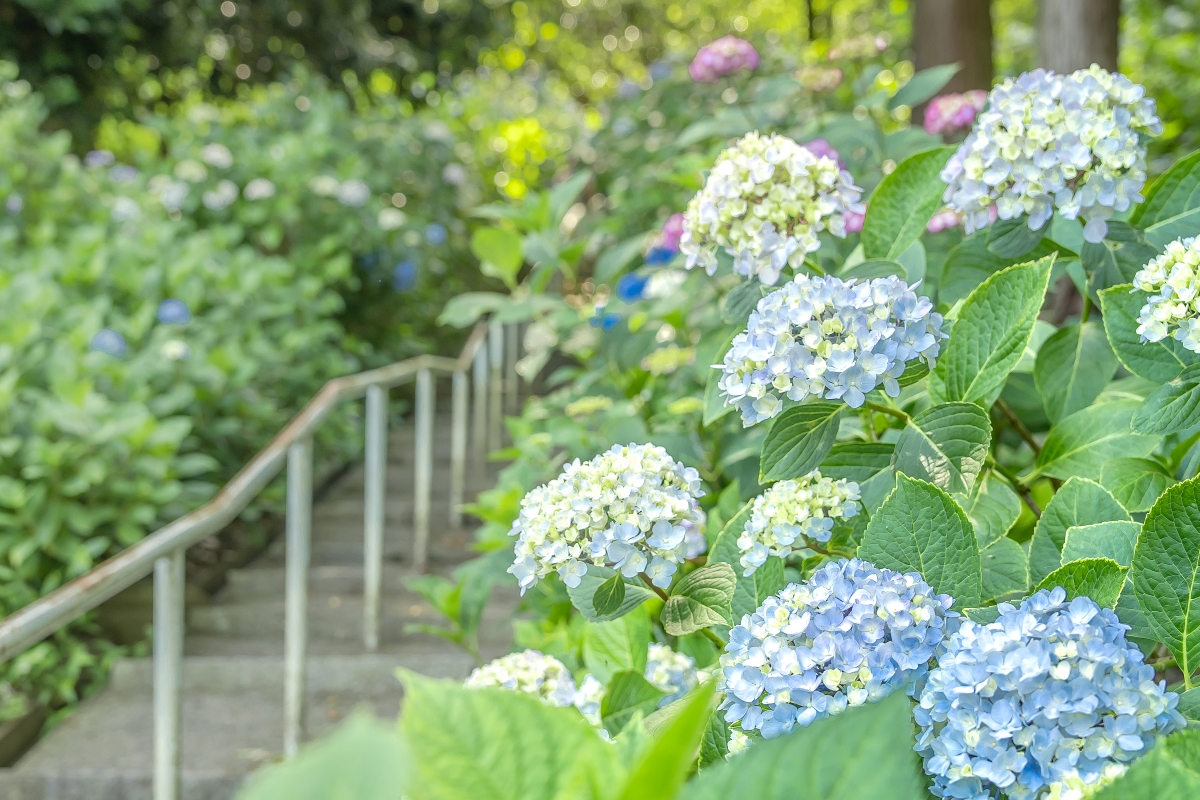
point(233, 670)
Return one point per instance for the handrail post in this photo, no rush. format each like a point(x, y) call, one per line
point(479, 379)
point(299, 529)
point(423, 483)
point(375, 474)
point(168, 675)
point(512, 399)
point(496, 367)
point(458, 446)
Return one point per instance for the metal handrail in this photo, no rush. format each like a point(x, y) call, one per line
point(162, 553)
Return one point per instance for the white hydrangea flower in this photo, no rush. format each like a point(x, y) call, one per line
point(125, 209)
point(528, 672)
point(391, 218)
point(765, 201)
point(1072, 143)
point(825, 337)
point(1173, 281)
point(353, 193)
point(216, 155)
point(222, 196)
point(789, 515)
point(671, 672)
point(587, 699)
point(324, 185)
point(191, 171)
point(259, 189)
point(171, 193)
point(628, 508)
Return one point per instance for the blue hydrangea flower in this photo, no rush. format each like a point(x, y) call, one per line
point(174, 311)
point(1051, 692)
point(659, 257)
point(109, 341)
point(404, 275)
point(850, 634)
point(603, 321)
point(824, 337)
point(631, 287)
point(435, 234)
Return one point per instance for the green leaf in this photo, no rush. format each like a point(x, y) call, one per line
point(1181, 226)
point(1013, 238)
point(993, 326)
point(923, 85)
point(982, 616)
point(362, 759)
point(1166, 572)
point(617, 646)
point(992, 506)
point(1098, 578)
point(1073, 367)
point(799, 440)
point(1082, 442)
point(920, 528)
point(751, 590)
point(715, 406)
point(494, 744)
point(499, 253)
point(665, 764)
point(701, 599)
point(1189, 705)
point(465, 309)
point(1079, 502)
point(903, 204)
point(1005, 569)
point(1168, 772)
point(1172, 407)
point(970, 263)
point(741, 302)
point(1135, 482)
point(855, 755)
point(562, 196)
point(714, 747)
point(874, 268)
point(1114, 540)
point(609, 596)
point(869, 464)
point(627, 694)
point(1155, 361)
point(1175, 192)
point(583, 594)
point(945, 445)
point(613, 261)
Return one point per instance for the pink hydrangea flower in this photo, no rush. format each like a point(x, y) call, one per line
point(854, 221)
point(725, 56)
point(952, 113)
point(821, 147)
point(672, 232)
point(943, 220)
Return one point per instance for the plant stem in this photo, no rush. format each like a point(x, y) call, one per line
point(1087, 309)
point(1020, 488)
point(654, 588)
point(882, 409)
point(1015, 422)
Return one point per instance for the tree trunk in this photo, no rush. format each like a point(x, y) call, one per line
point(955, 31)
point(1074, 34)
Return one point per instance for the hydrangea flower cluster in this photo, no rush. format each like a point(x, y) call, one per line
point(670, 672)
point(1046, 142)
point(825, 337)
point(1173, 280)
point(528, 672)
point(949, 114)
point(1050, 693)
point(765, 201)
point(725, 56)
point(850, 634)
point(630, 508)
point(791, 514)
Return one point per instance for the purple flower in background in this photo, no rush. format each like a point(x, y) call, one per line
point(404, 275)
point(173, 311)
point(943, 220)
point(108, 341)
point(949, 114)
point(435, 233)
point(123, 172)
point(672, 232)
point(631, 287)
point(854, 221)
point(822, 148)
point(99, 158)
point(725, 56)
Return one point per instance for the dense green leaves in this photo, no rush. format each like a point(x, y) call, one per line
point(499, 253)
point(903, 204)
point(1166, 572)
point(1078, 502)
point(1174, 192)
point(701, 599)
point(664, 765)
point(1084, 441)
point(1073, 367)
point(1135, 482)
point(583, 596)
point(990, 334)
point(715, 406)
point(1155, 361)
point(1172, 407)
point(1013, 238)
point(855, 755)
point(945, 445)
point(969, 263)
point(799, 440)
point(921, 529)
point(493, 744)
point(616, 646)
point(1098, 578)
point(992, 506)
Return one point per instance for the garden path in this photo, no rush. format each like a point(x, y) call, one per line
point(233, 669)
